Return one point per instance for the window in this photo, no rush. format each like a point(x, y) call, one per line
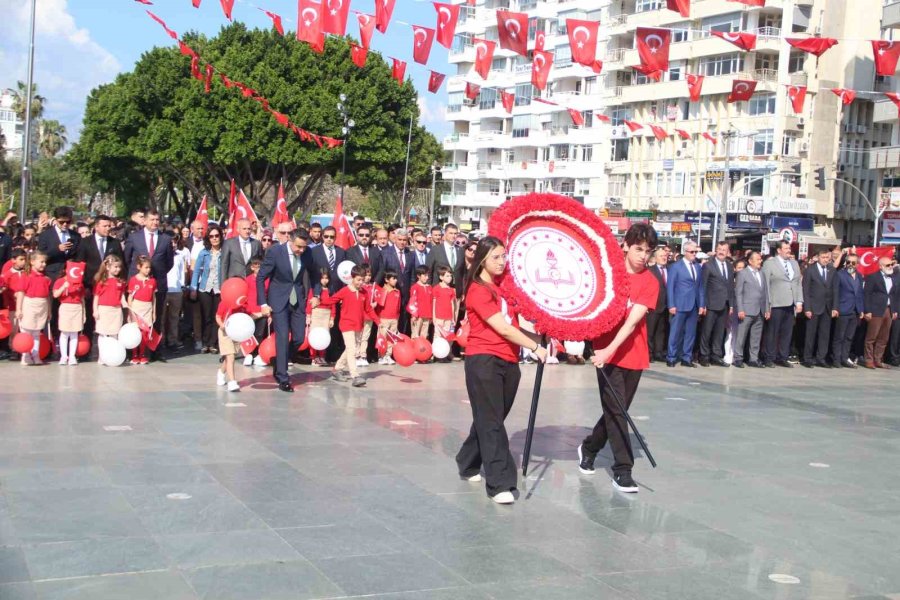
point(487, 99)
point(724, 23)
point(762, 104)
point(582, 187)
point(561, 151)
point(681, 32)
point(498, 64)
point(460, 43)
point(619, 150)
point(764, 143)
point(563, 56)
point(567, 188)
point(796, 61)
point(676, 68)
point(7, 115)
point(646, 5)
point(588, 118)
point(454, 102)
point(618, 184)
point(618, 115)
point(721, 65)
point(590, 85)
point(757, 188)
point(584, 153)
point(521, 126)
point(789, 144)
point(524, 92)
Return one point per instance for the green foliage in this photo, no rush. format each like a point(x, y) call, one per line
point(54, 182)
point(155, 128)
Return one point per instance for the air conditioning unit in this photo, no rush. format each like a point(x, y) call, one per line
point(860, 129)
point(848, 128)
point(618, 132)
point(801, 122)
point(804, 147)
point(711, 122)
point(841, 168)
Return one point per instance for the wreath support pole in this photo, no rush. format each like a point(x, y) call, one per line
point(622, 407)
point(535, 396)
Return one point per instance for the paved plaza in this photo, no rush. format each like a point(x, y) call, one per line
point(147, 483)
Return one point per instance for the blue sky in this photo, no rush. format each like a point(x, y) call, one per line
point(83, 43)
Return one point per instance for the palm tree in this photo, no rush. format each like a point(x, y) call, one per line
point(51, 137)
point(20, 99)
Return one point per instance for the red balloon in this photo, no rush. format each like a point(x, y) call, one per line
point(44, 347)
point(404, 353)
point(234, 292)
point(422, 349)
point(84, 345)
point(5, 327)
point(22, 342)
point(267, 349)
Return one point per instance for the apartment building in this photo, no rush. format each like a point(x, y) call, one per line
point(10, 126)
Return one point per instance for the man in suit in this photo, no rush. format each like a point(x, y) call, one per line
point(58, 243)
point(398, 258)
point(658, 317)
point(751, 299)
point(289, 270)
point(782, 275)
point(151, 242)
point(684, 297)
point(328, 256)
point(818, 298)
point(882, 302)
point(445, 254)
point(91, 251)
point(420, 250)
point(365, 254)
point(718, 288)
point(237, 252)
point(849, 300)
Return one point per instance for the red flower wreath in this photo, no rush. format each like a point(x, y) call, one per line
point(562, 303)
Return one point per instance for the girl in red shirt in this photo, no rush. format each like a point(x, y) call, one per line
point(320, 316)
point(141, 293)
point(33, 304)
point(492, 373)
point(420, 297)
point(446, 306)
point(71, 317)
point(109, 298)
point(355, 308)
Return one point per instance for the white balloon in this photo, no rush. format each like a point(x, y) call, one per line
point(343, 271)
point(130, 336)
point(240, 327)
point(112, 352)
point(440, 348)
point(319, 338)
point(574, 348)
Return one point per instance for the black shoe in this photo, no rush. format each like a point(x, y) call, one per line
point(784, 363)
point(624, 483)
point(808, 364)
point(719, 362)
point(738, 365)
point(586, 460)
point(769, 365)
point(4, 355)
point(670, 363)
point(754, 364)
point(823, 364)
point(704, 362)
point(176, 347)
point(685, 363)
point(285, 386)
point(848, 365)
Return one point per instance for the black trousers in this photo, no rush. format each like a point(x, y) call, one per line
point(815, 347)
point(492, 384)
point(844, 334)
point(290, 331)
point(779, 332)
point(893, 349)
point(712, 334)
point(612, 425)
point(209, 304)
point(657, 333)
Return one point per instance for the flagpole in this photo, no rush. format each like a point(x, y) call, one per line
point(406, 173)
point(26, 144)
point(348, 125)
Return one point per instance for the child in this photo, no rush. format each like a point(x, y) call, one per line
point(420, 295)
point(141, 293)
point(109, 298)
point(321, 316)
point(33, 304)
point(71, 318)
point(388, 311)
point(227, 348)
point(13, 274)
point(255, 311)
point(446, 304)
point(369, 290)
point(355, 307)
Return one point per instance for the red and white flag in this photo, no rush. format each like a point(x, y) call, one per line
point(817, 46)
point(434, 81)
point(540, 38)
point(232, 199)
point(276, 21)
point(358, 54)
point(383, 11)
point(398, 70)
point(797, 96)
point(744, 41)
point(512, 28)
point(423, 38)
point(895, 98)
point(242, 210)
point(602, 118)
point(227, 6)
point(695, 86)
point(472, 90)
point(577, 117)
point(632, 126)
point(281, 212)
point(248, 346)
point(447, 16)
point(202, 214)
point(334, 16)
point(366, 28)
point(484, 56)
point(682, 7)
point(649, 73)
point(750, 2)
point(540, 68)
point(653, 47)
point(868, 258)
point(74, 272)
point(846, 96)
point(344, 237)
point(741, 90)
point(658, 132)
point(583, 40)
point(683, 134)
point(309, 23)
point(710, 137)
point(886, 55)
point(508, 99)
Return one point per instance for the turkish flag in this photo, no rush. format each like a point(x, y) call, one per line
point(366, 28)
point(309, 22)
point(281, 212)
point(682, 7)
point(472, 90)
point(423, 37)
point(632, 125)
point(895, 98)
point(447, 16)
point(243, 210)
point(344, 236)
point(207, 78)
point(741, 90)
point(147, 2)
point(797, 96)
point(658, 132)
point(398, 70)
point(710, 137)
point(695, 86)
point(227, 5)
point(649, 72)
point(169, 32)
point(508, 99)
point(195, 67)
point(435, 80)
point(248, 346)
point(603, 118)
point(334, 16)
point(653, 47)
point(868, 258)
point(276, 21)
point(750, 2)
point(383, 11)
point(484, 56)
point(202, 214)
point(683, 134)
point(358, 55)
point(814, 45)
point(512, 27)
point(74, 272)
point(540, 68)
point(583, 40)
point(196, 3)
point(886, 55)
point(540, 38)
point(744, 41)
point(577, 117)
point(846, 96)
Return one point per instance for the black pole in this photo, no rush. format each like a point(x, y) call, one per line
point(621, 404)
point(344, 166)
point(535, 395)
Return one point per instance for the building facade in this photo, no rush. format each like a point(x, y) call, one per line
point(10, 126)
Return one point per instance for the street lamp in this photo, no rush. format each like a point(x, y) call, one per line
point(345, 131)
point(719, 226)
point(877, 211)
point(435, 169)
point(26, 143)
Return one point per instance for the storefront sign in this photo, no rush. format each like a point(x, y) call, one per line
point(744, 221)
point(797, 223)
point(890, 226)
point(790, 205)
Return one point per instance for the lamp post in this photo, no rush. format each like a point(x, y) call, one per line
point(26, 144)
point(348, 124)
point(719, 226)
point(406, 174)
point(877, 211)
point(435, 169)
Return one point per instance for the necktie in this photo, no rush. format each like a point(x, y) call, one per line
point(822, 271)
point(102, 247)
point(693, 273)
point(758, 280)
point(402, 260)
point(724, 271)
point(365, 251)
point(246, 244)
point(152, 247)
point(295, 268)
point(330, 258)
point(452, 257)
point(787, 269)
point(63, 236)
point(665, 275)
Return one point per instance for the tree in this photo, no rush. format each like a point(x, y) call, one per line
point(20, 99)
point(156, 129)
point(51, 137)
point(54, 182)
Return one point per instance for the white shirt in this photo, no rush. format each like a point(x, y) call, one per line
point(245, 249)
point(152, 239)
point(690, 267)
point(63, 234)
point(722, 268)
point(450, 249)
point(195, 250)
point(786, 266)
point(102, 244)
point(175, 279)
point(888, 284)
point(756, 276)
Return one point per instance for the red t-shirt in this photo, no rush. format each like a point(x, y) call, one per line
point(389, 304)
point(35, 285)
point(634, 353)
point(322, 297)
point(224, 311)
point(443, 302)
point(355, 308)
point(110, 292)
point(143, 290)
point(480, 306)
point(421, 296)
point(13, 280)
point(74, 294)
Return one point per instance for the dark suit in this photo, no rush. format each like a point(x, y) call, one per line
point(438, 258)
point(161, 263)
point(883, 306)
point(48, 243)
point(233, 263)
point(5, 247)
point(658, 317)
point(849, 301)
point(405, 277)
point(288, 319)
point(320, 261)
point(685, 293)
point(375, 262)
point(89, 253)
point(818, 298)
point(719, 293)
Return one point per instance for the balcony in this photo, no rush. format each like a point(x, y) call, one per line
point(458, 141)
point(884, 158)
point(890, 14)
point(765, 75)
point(484, 199)
point(884, 111)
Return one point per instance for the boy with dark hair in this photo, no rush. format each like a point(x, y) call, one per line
point(420, 298)
point(622, 354)
point(388, 311)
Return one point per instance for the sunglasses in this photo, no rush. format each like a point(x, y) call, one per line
point(420, 241)
point(690, 252)
point(328, 237)
point(853, 263)
point(459, 244)
point(214, 236)
point(267, 239)
point(362, 235)
point(470, 249)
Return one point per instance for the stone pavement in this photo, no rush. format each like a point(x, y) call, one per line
point(150, 483)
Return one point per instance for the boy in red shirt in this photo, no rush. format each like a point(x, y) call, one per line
point(355, 309)
point(623, 354)
point(254, 310)
point(420, 297)
point(388, 311)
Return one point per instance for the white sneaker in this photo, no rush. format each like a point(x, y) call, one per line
point(552, 360)
point(390, 361)
point(361, 362)
point(220, 378)
point(233, 386)
point(474, 478)
point(63, 362)
point(259, 362)
point(73, 361)
point(382, 360)
point(27, 358)
point(248, 361)
point(504, 498)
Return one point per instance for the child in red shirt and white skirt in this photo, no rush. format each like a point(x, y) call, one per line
point(141, 293)
point(71, 317)
point(33, 304)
